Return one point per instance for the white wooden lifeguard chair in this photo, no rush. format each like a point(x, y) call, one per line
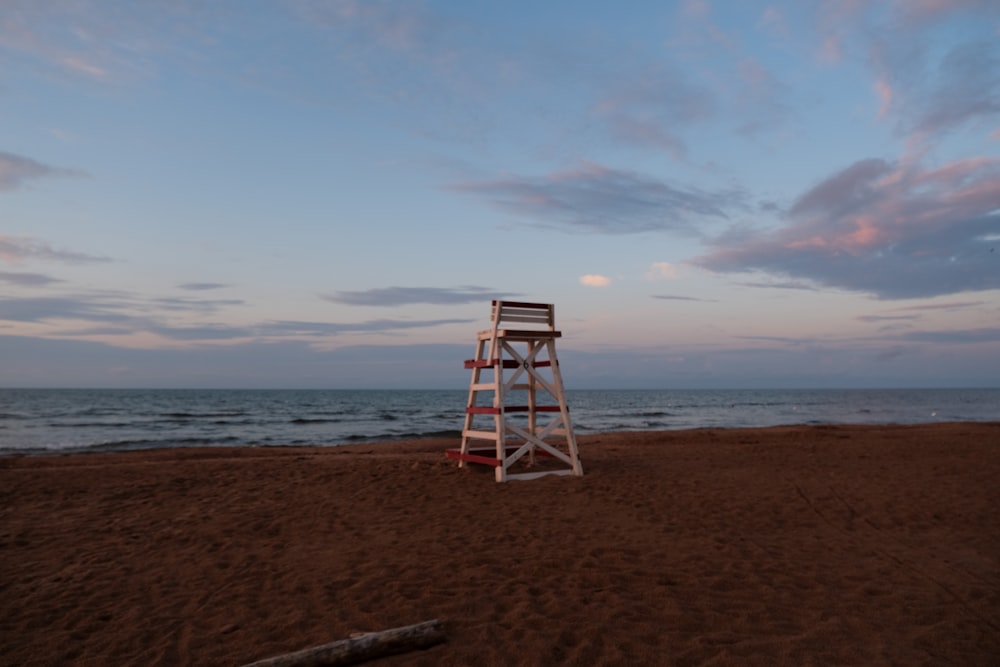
point(529, 354)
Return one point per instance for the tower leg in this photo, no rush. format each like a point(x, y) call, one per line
point(574, 454)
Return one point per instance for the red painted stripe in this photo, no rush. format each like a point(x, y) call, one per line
point(507, 363)
point(485, 363)
point(472, 458)
point(482, 411)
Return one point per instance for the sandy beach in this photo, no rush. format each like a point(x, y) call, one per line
point(793, 545)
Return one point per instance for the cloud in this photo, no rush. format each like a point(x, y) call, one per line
point(261, 331)
point(661, 270)
point(891, 230)
point(595, 280)
point(292, 364)
point(206, 332)
point(14, 249)
point(931, 97)
point(39, 309)
point(384, 325)
point(402, 296)
point(951, 305)
point(194, 305)
point(122, 314)
point(200, 287)
point(405, 29)
point(137, 313)
point(27, 279)
point(966, 88)
point(935, 63)
point(594, 198)
point(760, 99)
point(779, 284)
point(98, 42)
point(959, 336)
point(887, 318)
point(16, 171)
point(644, 109)
point(784, 340)
point(674, 297)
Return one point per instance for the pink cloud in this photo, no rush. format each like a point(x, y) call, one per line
point(893, 230)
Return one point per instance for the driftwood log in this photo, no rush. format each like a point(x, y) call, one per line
point(365, 647)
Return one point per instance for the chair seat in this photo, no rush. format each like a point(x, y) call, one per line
point(519, 334)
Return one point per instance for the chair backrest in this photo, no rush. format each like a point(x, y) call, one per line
point(540, 315)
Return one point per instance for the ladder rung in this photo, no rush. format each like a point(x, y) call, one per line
point(507, 363)
point(489, 410)
point(481, 363)
point(482, 410)
point(480, 435)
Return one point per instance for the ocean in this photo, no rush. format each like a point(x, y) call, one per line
point(36, 421)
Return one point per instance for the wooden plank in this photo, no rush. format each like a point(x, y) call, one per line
point(524, 304)
point(527, 334)
point(479, 435)
point(487, 410)
point(472, 458)
point(359, 649)
point(482, 410)
point(536, 475)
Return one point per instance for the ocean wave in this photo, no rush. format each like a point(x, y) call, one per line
point(90, 424)
point(203, 415)
point(123, 446)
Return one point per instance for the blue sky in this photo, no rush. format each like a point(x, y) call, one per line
point(317, 193)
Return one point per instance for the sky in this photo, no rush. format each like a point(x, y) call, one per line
point(329, 193)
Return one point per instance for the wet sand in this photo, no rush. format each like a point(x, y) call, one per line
point(790, 545)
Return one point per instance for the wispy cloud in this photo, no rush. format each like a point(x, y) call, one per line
point(383, 325)
point(926, 91)
point(17, 170)
point(95, 308)
point(407, 29)
point(779, 284)
point(27, 279)
point(661, 271)
point(16, 249)
point(887, 318)
point(951, 305)
point(959, 336)
point(90, 41)
point(784, 340)
point(401, 296)
point(125, 314)
point(201, 287)
point(194, 305)
point(891, 230)
point(676, 297)
point(930, 97)
point(594, 198)
point(647, 108)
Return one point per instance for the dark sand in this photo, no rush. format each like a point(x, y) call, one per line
point(848, 545)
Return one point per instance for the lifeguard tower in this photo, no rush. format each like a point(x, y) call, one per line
point(516, 385)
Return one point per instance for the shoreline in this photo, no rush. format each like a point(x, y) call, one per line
point(452, 439)
point(872, 544)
